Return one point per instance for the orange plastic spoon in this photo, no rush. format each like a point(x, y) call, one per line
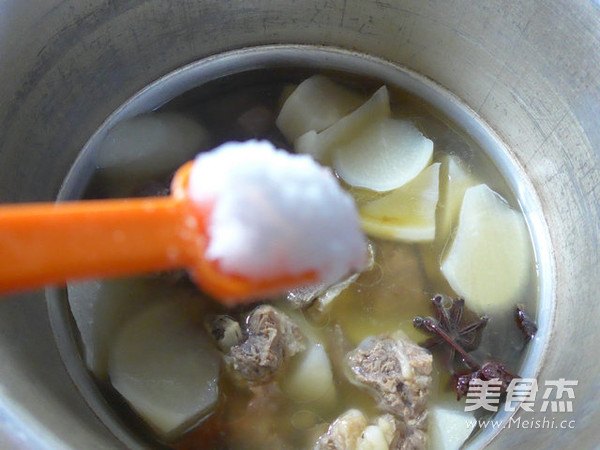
point(50, 243)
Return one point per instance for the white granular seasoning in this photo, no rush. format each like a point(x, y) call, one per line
point(276, 213)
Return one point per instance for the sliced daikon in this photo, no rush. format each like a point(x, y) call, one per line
point(383, 156)
point(454, 181)
point(312, 378)
point(315, 104)
point(490, 258)
point(348, 128)
point(407, 213)
point(165, 367)
point(101, 308)
point(311, 144)
point(449, 428)
point(150, 144)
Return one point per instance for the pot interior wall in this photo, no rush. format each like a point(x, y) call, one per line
point(531, 70)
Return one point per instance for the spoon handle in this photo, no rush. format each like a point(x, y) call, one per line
point(50, 243)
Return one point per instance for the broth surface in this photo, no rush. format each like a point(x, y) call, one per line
point(383, 300)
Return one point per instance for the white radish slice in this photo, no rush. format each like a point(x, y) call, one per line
point(490, 258)
point(316, 104)
point(286, 91)
point(454, 181)
point(312, 379)
point(348, 128)
point(406, 214)
point(100, 309)
point(448, 428)
point(166, 368)
point(384, 156)
point(150, 144)
point(310, 144)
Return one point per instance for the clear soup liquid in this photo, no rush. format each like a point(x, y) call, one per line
point(384, 299)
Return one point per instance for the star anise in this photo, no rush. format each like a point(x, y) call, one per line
point(490, 370)
point(449, 320)
point(461, 339)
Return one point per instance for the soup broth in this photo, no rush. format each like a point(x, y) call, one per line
point(384, 299)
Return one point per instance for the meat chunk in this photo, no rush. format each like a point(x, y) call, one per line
point(398, 372)
point(410, 439)
point(226, 332)
point(272, 339)
point(378, 436)
point(351, 431)
point(259, 426)
point(344, 432)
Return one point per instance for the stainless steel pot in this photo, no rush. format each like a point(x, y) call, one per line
point(530, 69)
